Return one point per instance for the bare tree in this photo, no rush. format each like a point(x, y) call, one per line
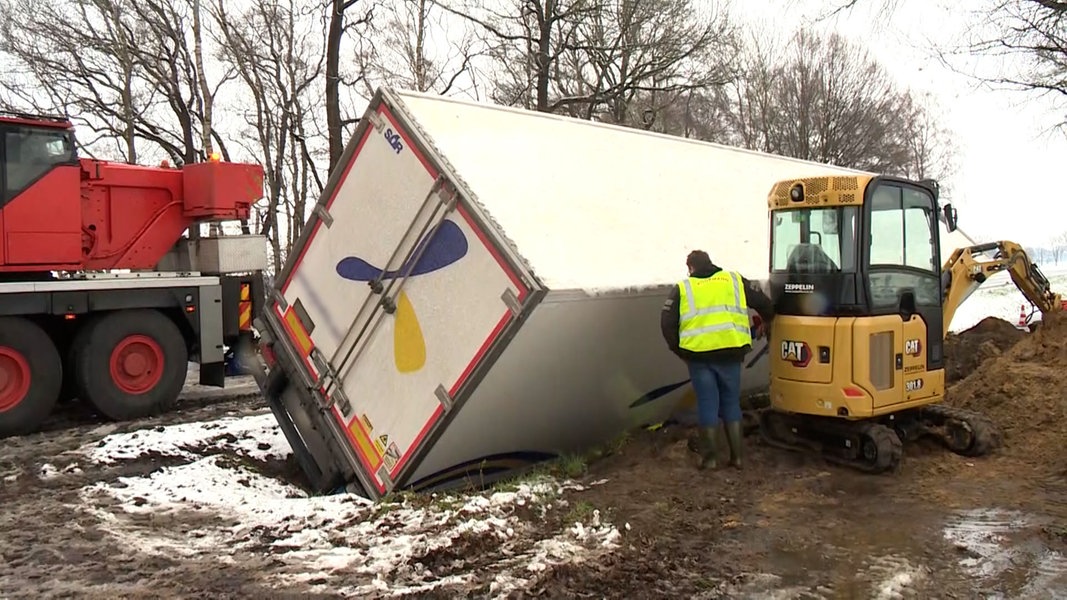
point(404, 49)
point(1057, 246)
point(277, 54)
point(636, 58)
point(90, 72)
point(341, 20)
point(131, 66)
point(526, 39)
point(623, 61)
point(824, 99)
point(1027, 41)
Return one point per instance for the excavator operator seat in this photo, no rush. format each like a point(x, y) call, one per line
point(810, 258)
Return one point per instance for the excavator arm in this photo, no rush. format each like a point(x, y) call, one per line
point(968, 268)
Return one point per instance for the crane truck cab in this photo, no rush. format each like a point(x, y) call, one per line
point(863, 304)
point(101, 297)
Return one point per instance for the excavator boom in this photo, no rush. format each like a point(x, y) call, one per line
point(970, 267)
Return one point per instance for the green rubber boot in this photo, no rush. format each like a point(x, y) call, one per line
point(733, 437)
point(710, 443)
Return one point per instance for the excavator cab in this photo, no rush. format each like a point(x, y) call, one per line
point(849, 248)
point(856, 346)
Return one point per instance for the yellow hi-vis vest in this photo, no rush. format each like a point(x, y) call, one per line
point(713, 313)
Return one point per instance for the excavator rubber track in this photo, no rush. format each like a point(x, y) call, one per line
point(964, 432)
point(876, 446)
point(867, 446)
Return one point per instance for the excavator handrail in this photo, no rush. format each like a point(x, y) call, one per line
point(963, 273)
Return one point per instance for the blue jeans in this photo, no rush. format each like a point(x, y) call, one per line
point(718, 390)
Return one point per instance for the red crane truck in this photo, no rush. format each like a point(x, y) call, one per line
point(102, 298)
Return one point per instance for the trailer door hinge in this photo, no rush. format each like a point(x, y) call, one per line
point(283, 304)
point(387, 481)
point(375, 119)
point(324, 215)
point(511, 301)
point(323, 367)
point(442, 395)
point(446, 193)
point(339, 398)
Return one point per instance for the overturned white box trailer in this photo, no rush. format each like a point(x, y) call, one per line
point(479, 288)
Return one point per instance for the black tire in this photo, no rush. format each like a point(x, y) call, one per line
point(115, 392)
point(22, 342)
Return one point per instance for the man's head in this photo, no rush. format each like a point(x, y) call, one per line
point(698, 260)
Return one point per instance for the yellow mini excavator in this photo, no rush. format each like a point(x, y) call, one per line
point(863, 308)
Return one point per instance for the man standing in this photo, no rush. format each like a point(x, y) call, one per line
point(705, 322)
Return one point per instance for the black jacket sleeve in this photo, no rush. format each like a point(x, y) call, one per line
point(758, 300)
point(669, 319)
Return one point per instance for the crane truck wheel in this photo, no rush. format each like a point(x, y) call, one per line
point(31, 373)
point(130, 364)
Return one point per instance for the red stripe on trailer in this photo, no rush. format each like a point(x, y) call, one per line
point(329, 203)
point(480, 353)
point(418, 440)
point(499, 258)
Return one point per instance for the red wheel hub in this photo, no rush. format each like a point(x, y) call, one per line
point(14, 378)
point(136, 364)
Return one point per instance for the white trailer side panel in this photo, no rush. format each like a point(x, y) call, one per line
point(602, 207)
point(571, 377)
point(605, 207)
point(397, 358)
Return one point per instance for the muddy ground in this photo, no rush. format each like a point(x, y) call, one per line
point(786, 526)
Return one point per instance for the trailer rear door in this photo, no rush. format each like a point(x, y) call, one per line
point(397, 293)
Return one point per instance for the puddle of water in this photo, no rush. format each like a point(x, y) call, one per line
point(1001, 554)
point(878, 578)
point(1004, 552)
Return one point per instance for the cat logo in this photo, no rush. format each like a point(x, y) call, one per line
point(913, 347)
point(797, 353)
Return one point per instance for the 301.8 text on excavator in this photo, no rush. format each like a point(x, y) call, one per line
point(863, 308)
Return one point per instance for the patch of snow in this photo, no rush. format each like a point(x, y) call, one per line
point(359, 548)
point(49, 471)
point(256, 436)
point(893, 577)
point(998, 297)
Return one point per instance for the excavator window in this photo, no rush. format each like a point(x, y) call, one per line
point(814, 240)
point(903, 246)
point(30, 153)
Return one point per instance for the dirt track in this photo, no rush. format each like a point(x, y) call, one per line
point(787, 526)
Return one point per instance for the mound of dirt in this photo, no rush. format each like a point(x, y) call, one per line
point(965, 351)
point(1023, 391)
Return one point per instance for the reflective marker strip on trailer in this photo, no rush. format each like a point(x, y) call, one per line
point(299, 336)
point(371, 457)
point(244, 320)
point(360, 441)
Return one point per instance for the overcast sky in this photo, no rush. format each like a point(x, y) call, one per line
point(1009, 160)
